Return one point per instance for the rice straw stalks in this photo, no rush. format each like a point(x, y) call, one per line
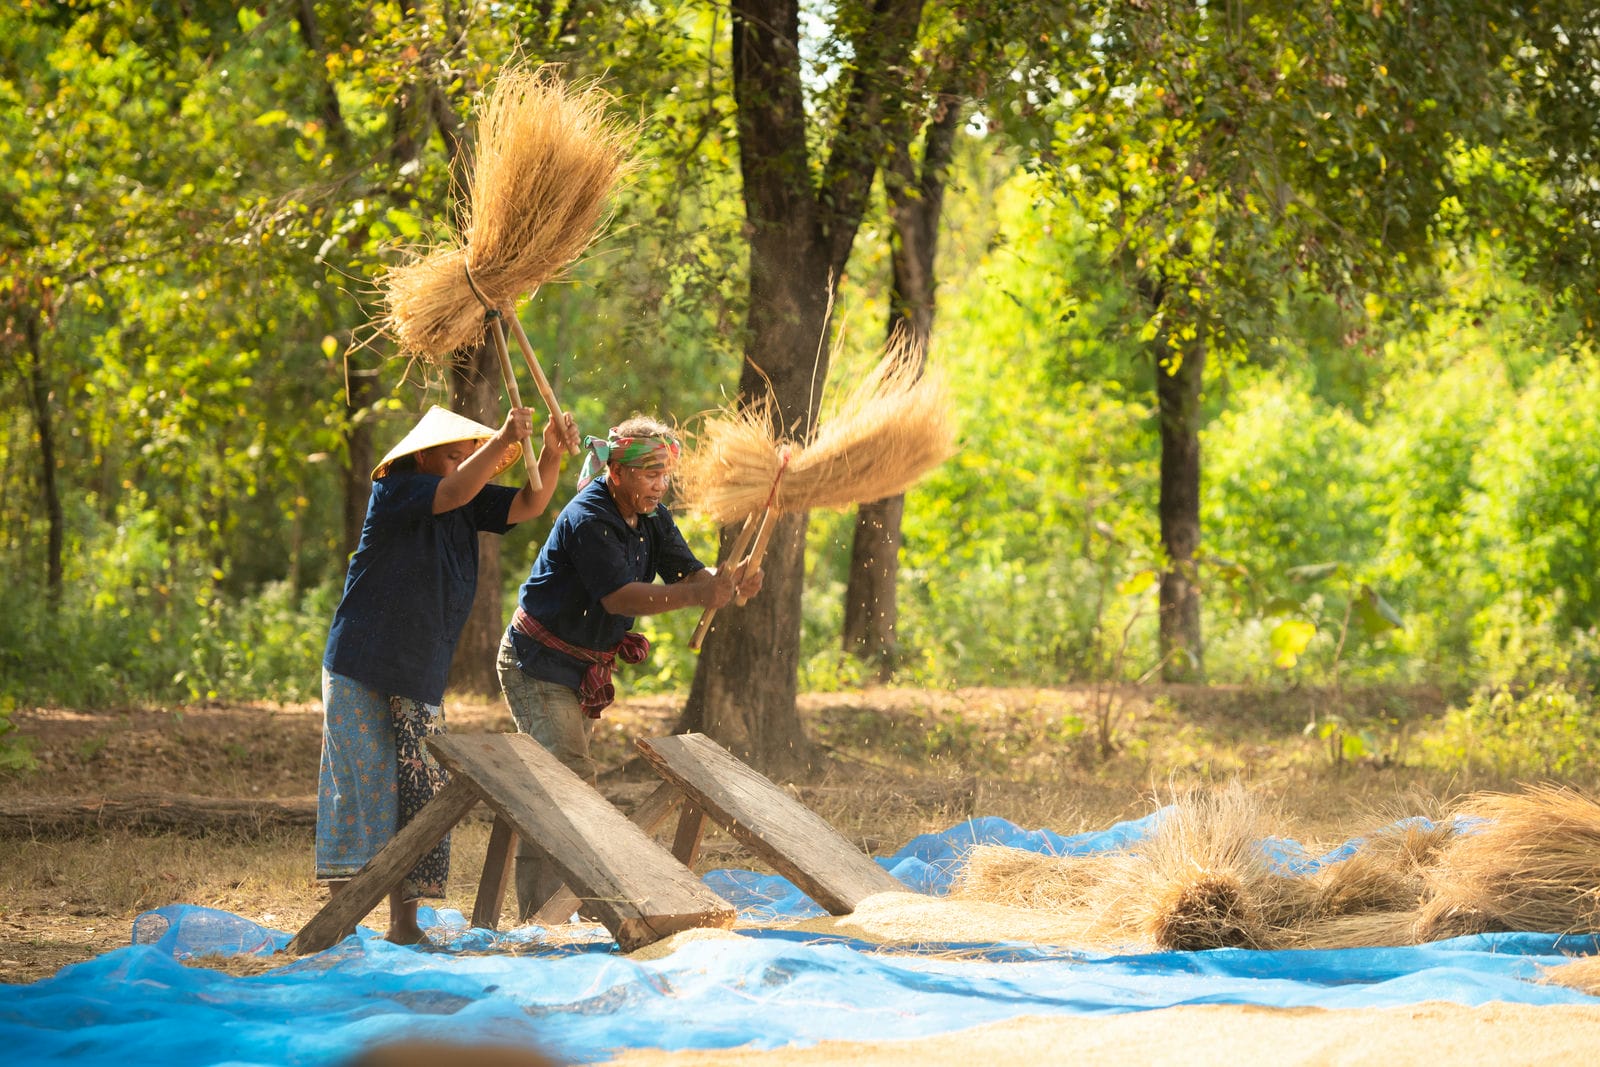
point(1201, 880)
point(1019, 878)
point(1526, 862)
point(1388, 872)
point(548, 156)
point(1373, 897)
point(762, 532)
point(886, 433)
point(1582, 974)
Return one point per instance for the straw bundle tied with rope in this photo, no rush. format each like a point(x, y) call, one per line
point(887, 432)
point(1202, 879)
point(547, 157)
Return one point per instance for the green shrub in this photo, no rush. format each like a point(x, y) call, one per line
point(1534, 523)
point(1549, 731)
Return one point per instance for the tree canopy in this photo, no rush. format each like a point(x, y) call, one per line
point(1233, 290)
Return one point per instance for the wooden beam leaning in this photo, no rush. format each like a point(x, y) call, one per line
point(383, 873)
point(686, 841)
point(637, 889)
point(797, 842)
point(497, 863)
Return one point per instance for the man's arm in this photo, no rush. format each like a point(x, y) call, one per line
point(704, 588)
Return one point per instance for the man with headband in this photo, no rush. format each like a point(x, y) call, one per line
point(594, 575)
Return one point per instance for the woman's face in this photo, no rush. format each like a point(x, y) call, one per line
point(636, 491)
point(444, 459)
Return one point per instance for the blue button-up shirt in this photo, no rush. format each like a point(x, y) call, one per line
point(591, 553)
point(410, 586)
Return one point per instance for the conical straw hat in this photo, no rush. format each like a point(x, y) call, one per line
point(441, 426)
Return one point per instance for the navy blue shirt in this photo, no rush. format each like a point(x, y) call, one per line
point(591, 553)
point(410, 586)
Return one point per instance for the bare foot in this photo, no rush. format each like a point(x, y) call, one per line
point(405, 935)
point(403, 928)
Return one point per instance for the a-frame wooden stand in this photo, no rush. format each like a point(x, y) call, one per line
point(611, 865)
point(639, 892)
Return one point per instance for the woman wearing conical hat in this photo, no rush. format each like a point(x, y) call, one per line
point(407, 595)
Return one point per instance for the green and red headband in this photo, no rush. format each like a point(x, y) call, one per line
point(651, 452)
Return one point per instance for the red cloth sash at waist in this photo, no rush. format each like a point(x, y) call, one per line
point(596, 692)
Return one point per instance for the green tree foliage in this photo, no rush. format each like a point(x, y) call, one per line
point(1533, 526)
point(1286, 481)
point(196, 206)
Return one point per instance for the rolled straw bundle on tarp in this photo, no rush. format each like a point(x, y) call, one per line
point(1202, 880)
point(1372, 897)
point(1522, 862)
point(888, 431)
point(1386, 869)
point(547, 156)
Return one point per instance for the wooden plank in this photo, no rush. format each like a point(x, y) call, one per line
point(384, 872)
point(497, 862)
point(639, 892)
point(796, 841)
point(652, 812)
point(686, 842)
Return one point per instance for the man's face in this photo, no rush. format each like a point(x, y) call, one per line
point(637, 491)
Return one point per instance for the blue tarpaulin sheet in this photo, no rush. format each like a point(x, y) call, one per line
point(583, 1002)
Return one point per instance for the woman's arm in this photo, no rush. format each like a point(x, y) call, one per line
point(462, 484)
point(530, 502)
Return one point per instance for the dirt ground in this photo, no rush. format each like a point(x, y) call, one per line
point(892, 764)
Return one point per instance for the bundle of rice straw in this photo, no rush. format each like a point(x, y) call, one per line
point(1200, 880)
point(1581, 974)
point(547, 158)
point(1527, 862)
point(1020, 878)
point(886, 433)
point(1372, 897)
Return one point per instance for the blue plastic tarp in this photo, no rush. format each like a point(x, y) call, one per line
point(765, 988)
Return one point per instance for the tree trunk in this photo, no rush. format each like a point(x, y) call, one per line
point(800, 236)
point(474, 390)
point(1178, 378)
point(39, 401)
point(871, 607)
point(362, 390)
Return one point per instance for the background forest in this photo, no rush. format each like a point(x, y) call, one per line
point(1269, 329)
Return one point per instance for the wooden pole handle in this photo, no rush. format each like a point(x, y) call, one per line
point(769, 522)
point(569, 441)
point(497, 333)
point(740, 543)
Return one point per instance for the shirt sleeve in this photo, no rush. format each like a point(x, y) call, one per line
point(490, 508)
point(674, 560)
point(402, 497)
